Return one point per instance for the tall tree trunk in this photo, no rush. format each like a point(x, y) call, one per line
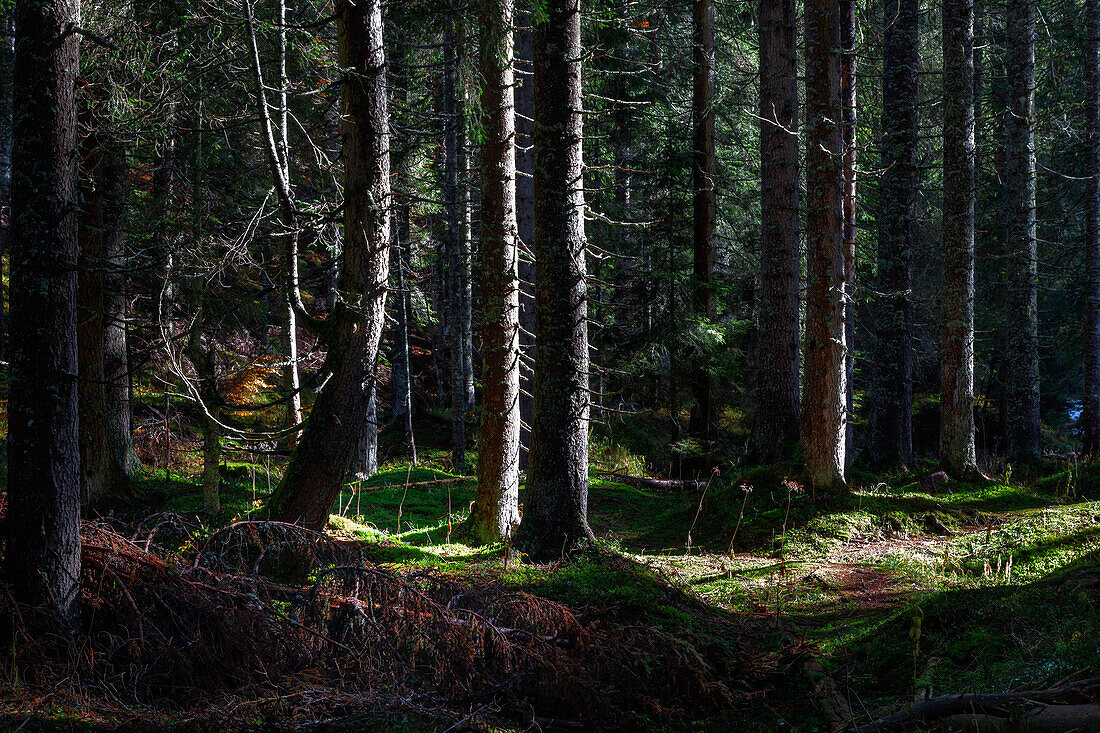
point(890, 397)
point(317, 468)
point(454, 112)
point(777, 366)
point(106, 445)
point(1090, 416)
point(848, 103)
point(116, 352)
point(957, 450)
point(291, 379)
point(401, 376)
point(525, 220)
point(42, 556)
point(1022, 307)
point(7, 63)
point(556, 514)
point(823, 401)
point(703, 173)
point(495, 513)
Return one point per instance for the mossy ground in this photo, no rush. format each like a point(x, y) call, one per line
point(994, 586)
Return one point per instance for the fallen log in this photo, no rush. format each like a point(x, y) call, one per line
point(1007, 705)
point(659, 484)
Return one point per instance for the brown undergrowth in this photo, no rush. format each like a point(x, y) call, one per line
point(268, 610)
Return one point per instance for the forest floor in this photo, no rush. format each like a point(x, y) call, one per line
point(899, 593)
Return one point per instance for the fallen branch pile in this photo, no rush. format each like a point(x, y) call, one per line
point(264, 605)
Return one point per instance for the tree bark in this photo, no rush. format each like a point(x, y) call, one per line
point(319, 464)
point(42, 555)
point(777, 367)
point(525, 220)
point(703, 173)
point(1090, 416)
point(823, 401)
point(107, 458)
point(848, 103)
point(401, 376)
point(556, 513)
point(1022, 301)
point(291, 381)
point(957, 451)
point(890, 396)
point(454, 111)
point(495, 513)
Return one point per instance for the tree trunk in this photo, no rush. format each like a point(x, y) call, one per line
point(107, 458)
point(291, 381)
point(366, 455)
point(556, 514)
point(42, 555)
point(454, 113)
point(848, 103)
point(7, 62)
point(495, 513)
point(890, 397)
point(401, 375)
point(703, 173)
point(1090, 416)
point(1022, 308)
point(525, 220)
point(320, 463)
point(777, 365)
point(823, 401)
point(957, 348)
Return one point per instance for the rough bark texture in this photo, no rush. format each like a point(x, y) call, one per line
point(703, 173)
point(107, 457)
point(823, 400)
point(525, 219)
point(1090, 416)
point(321, 461)
point(495, 513)
point(777, 367)
point(957, 450)
point(42, 556)
point(890, 394)
point(555, 517)
point(1021, 261)
point(848, 102)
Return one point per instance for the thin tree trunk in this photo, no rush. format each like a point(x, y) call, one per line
point(7, 63)
point(454, 114)
point(1090, 416)
point(848, 103)
point(890, 396)
point(1022, 308)
point(525, 220)
point(401, 376)
point(823, 402)
point(957, 348)
point(291, 380)
point(320, 463)
point(42, 555)
point(703, 173)
point(495, 513)
point(556, 514)
point(777, 365)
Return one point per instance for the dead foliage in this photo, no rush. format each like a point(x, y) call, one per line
point(268, 607)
